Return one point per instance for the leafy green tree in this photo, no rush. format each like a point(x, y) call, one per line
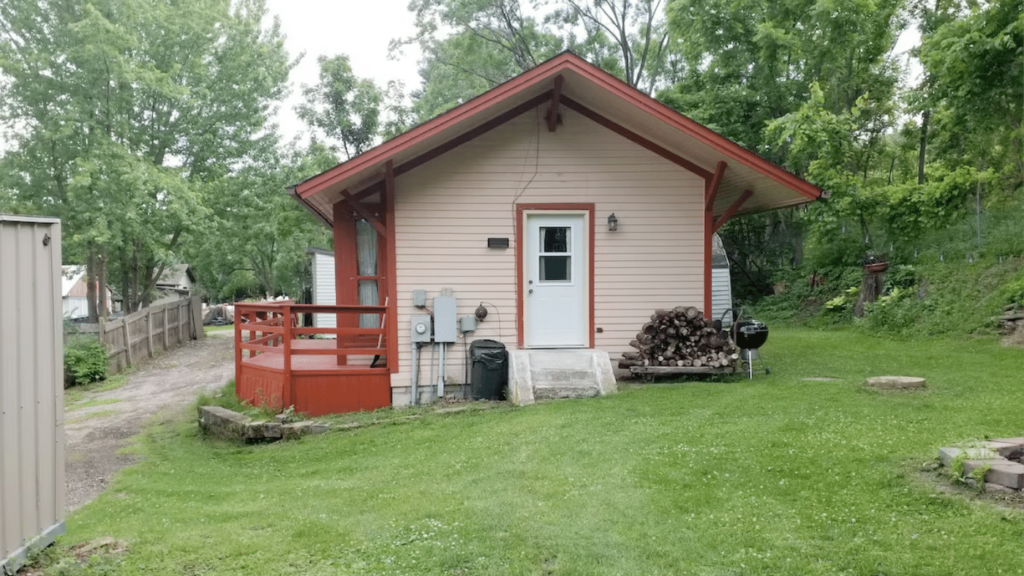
point(470, 46)
point(258, 236)
point(341, 106)
point(123, 112)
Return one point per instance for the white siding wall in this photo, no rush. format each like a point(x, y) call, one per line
point(447, 208)
point(76, 307)
point(323, 288)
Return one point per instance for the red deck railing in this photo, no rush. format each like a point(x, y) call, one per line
point(279, 362)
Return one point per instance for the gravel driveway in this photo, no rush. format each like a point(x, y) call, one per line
point(96, 433)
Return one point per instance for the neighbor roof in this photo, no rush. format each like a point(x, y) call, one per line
point(585, 88)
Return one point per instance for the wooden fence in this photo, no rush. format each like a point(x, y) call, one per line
point(143, 333)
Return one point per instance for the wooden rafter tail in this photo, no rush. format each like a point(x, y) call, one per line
point(363, 212)
point(731, 211)
point(556, 94)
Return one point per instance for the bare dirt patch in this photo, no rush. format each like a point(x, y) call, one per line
point(163, 385)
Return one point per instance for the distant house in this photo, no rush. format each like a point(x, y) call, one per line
point(74, 292)
point(178, 277)
point(175, 283)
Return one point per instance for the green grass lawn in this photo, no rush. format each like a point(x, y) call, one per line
point(773, 476)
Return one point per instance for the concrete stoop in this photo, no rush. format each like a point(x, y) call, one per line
point(546, 374)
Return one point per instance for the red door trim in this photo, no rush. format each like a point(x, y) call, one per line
point(518, 225)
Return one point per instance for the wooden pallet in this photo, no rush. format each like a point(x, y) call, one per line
point(647, 373)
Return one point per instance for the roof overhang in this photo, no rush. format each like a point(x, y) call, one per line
point(596, 94)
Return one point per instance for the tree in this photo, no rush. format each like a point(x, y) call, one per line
point(471, 46)
point(259, 235)
point(124, 112)
point(636, 28)
point(343, 107)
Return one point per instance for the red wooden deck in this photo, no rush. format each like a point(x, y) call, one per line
point(274, 368)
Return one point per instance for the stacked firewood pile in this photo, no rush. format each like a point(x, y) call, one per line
point(681, 337)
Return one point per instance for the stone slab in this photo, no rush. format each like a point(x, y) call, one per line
point(558, 392)
point(224, 423)
point(896, 382)
point(520, 390)
point(293, 430)
point(1002, 472)
point(550, 374)
point(947, 455)
point(998, 488)
point(1009, 474)
point(1003, 448)
point(1019, 441)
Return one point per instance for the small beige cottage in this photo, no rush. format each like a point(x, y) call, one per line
point(564, 202)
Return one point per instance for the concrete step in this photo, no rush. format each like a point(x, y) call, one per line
point(549, 374)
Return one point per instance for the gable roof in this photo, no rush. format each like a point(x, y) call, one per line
point(176, 275)
point(69, 276)
point(597, 95)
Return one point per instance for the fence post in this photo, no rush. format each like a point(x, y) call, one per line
point(183, 307)
point(167, 327)
point(149, 331)
point(127, 341)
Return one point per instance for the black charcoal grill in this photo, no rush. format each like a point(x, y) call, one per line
point(750, 335)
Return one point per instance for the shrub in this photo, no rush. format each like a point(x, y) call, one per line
point(85, 361)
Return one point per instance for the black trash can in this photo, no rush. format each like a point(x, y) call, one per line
point(489, 374)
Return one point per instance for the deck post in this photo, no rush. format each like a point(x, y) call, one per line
point(346, 288)
point(391, 271)
point(710, 194)
point(287, 392)
point(238, 350)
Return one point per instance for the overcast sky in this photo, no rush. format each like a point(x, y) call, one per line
point(359, 28)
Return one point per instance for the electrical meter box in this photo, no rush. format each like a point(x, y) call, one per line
point(419, 298)
point(445, 323)
point(421, 328)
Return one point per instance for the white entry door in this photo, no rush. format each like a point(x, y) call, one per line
point(556, 281)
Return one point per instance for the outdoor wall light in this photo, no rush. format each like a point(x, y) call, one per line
point(613, 223)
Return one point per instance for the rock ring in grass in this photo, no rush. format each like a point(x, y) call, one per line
point(896, 382)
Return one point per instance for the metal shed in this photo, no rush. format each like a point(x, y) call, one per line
point(721, 282)
point(31, 388)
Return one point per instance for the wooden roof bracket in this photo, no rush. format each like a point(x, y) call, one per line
point(556, 94)
point(363, 212)
point(732, 209)
point(711, 191)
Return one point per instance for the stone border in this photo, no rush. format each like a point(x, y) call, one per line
point(896, 382)
point(236, 427)
point(1001, 474)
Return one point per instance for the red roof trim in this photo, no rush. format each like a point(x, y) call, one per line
point(694, 129)
point(566, 60)
point(438, 124)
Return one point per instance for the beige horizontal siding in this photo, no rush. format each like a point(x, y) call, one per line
point(447, 208)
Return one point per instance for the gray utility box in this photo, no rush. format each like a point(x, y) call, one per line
point(421, 328)
point(446, 327)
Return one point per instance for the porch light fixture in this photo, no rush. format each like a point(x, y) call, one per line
point(613, 223)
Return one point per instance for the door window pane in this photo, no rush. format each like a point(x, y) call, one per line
point(554, 239)
point(555, 268)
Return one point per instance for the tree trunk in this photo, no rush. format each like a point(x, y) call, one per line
point(101, 281)
point(924, 145)
point(90, 285)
